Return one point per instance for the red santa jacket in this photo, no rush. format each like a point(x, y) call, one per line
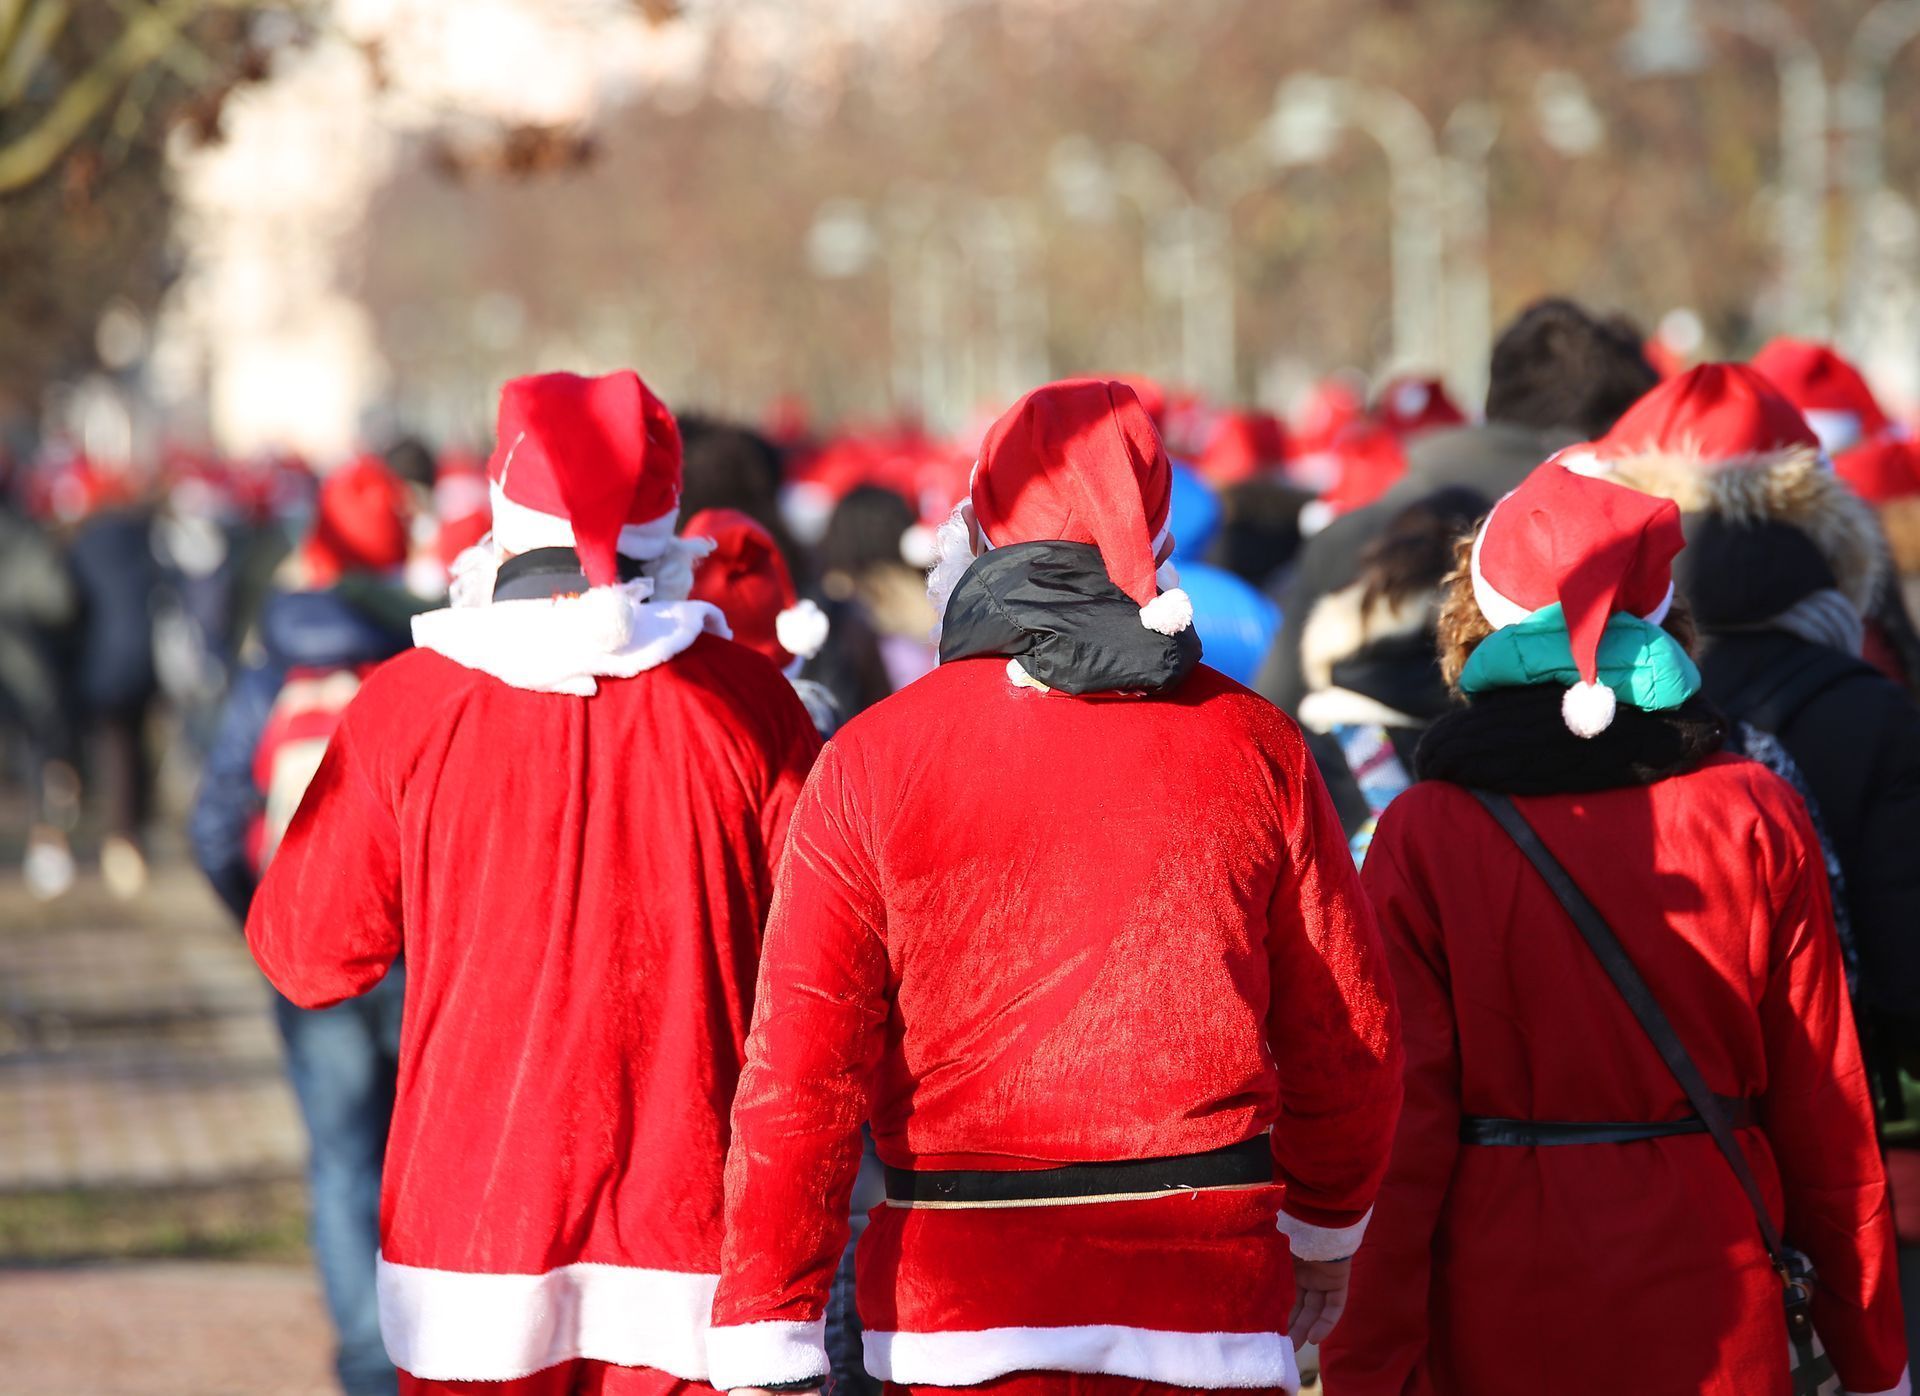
point(1608, 1267)
point(1021, 929)
point(578, 884)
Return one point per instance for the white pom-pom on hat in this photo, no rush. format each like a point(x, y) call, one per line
point(1168, 613)
point(608, 616)
point(1588, 709)
point(801, 629)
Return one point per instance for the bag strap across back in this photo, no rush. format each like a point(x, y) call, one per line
point(1646, 1009)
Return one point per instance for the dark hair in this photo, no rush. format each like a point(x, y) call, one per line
point(865, 531)
point(412, 460)
point(1558, 366)
point(1414, 552)
point(728, 466)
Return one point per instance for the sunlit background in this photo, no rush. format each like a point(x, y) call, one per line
point(235, 232)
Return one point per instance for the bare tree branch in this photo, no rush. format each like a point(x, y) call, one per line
point(28, 41)
point(150, 32)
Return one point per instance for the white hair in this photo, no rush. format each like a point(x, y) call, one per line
point(953, 554)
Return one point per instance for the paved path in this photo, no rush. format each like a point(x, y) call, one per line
point(193, 1328)
point(136, 1045)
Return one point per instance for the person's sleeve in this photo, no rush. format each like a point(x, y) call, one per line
point(1332, 1028)
point(1378, 1347)
point(229, 800)
point(802, 1096)
point(325, 924)
point(1818, 1117)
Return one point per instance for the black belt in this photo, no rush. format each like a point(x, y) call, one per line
point(1238, 1165)
point(1532, 1134)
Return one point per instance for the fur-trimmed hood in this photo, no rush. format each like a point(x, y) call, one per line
point(1794, 488)
point(1370, 660)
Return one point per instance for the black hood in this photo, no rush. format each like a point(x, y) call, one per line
point(1052, 606)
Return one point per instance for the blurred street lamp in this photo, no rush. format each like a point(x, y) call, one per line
point(1309, 111)
point(1568, 120)
point(1666, 41)
point(1669, 39)
point(842, 242)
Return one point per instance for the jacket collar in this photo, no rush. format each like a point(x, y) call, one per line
point(1051, 606)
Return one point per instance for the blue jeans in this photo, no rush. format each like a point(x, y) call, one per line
point(342, 1062)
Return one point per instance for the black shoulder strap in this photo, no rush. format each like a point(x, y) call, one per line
point(1646, 1009)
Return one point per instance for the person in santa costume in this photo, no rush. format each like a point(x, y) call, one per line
point(1556, 1217)
point(566, 806)
point(747, 580)
point(1071, 921)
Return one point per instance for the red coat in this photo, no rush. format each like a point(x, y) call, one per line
point(1022, 929)
point(1608, 1267)
point(578, 885)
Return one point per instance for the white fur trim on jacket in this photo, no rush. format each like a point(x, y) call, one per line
point(451, 1325)
point(566, 645)
point(1211, 1361)
point(1310, 1242)
point(770, 1353)
point(521, 530)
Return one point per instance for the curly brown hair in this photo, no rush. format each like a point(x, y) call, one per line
point(1462, 625)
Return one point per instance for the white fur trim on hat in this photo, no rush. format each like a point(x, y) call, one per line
point(916, 547)
point(1499, 610)
point(519, 529)
point(1588, 709)
point(801, 629)
point(1168, 613)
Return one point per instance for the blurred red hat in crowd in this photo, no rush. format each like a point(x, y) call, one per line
point(748, 580)
point(360, 523)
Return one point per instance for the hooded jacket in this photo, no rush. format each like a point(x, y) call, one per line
point(1072, 897)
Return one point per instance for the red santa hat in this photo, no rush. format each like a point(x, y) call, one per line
point(747, 579)
point(591, 464)
point(1080, 461)
point(1828, 390)
point(1882, 471)
point(1241, 446)
point(1598, 549)
point(1715, 415)
point(360, 522)
point(1409, 405)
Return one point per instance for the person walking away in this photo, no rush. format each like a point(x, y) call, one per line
point(1784, 570)
point(1072, 923)
point(1559, 375)
point(1368, 653)
point(1558, 1215)
point(565, 807)
point(39, 607)
point(746, 579)
point(115, 680)
point(316, 646)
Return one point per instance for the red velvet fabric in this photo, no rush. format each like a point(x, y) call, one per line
point(1583, 1269)
point(577, 1378)
point(1067, 1384)
point(578, 885)
point(1021, 929)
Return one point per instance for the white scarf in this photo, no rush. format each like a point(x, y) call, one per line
point(566, 644)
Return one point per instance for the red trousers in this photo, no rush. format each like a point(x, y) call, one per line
point(577, 1378)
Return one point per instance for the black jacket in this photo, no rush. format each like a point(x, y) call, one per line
point(1490, 459)
point(1856, 739)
